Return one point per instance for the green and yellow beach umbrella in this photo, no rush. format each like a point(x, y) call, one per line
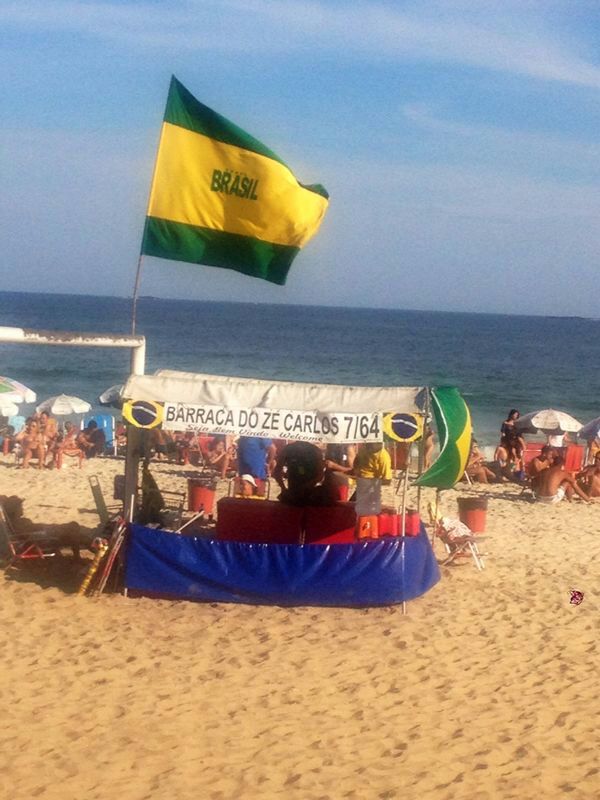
point(455, 431)
point(15, 392)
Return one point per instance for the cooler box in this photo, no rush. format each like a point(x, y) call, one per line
point(390, 524)
point(412, 525)
point(241, 519)
point(368, 527)
point(330, 524)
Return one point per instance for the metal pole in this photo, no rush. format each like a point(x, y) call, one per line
point(422, 448)
point(136, 289)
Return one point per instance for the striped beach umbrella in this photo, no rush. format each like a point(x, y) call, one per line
point(549, 421)
point(8, 408)
point(14, 392)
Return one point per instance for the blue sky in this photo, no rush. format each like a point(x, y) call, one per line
point(458, 141)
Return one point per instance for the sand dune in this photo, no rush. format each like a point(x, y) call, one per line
point(487, 688)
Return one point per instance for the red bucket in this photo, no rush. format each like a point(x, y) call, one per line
point(201, 495)
point(472, 512)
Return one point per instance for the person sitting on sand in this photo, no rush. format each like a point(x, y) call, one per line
point(476, 468)
point(68, 446)
point(217, 457)
point(92, 440)
point(589, 478)
point(539, 464)
point(245, 486)
point(554, 484)
point(31, 441)
point(67, 534)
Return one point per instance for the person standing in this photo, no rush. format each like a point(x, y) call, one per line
point(511, 439)
point(256, 457)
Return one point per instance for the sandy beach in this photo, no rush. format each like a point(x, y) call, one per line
point(487, 688)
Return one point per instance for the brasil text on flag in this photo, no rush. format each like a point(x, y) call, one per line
point(220, 197)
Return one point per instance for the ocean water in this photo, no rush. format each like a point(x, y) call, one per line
point(497, 361)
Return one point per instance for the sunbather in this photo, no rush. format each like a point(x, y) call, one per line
point(32, 443)
point(554, 484)
point(589, 478)
point(540, 463)
point(218, 457)
point(66, 534)
point(68, 446)
point(92, 440)
point(477, 470)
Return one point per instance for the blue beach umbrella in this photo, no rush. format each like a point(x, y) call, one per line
point(112, 396)
point(590, 430)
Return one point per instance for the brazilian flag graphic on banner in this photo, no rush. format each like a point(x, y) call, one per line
point(221, 198)
point(453, 421)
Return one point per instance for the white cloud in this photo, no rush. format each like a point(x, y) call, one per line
point(513, 38)
point(548, 149)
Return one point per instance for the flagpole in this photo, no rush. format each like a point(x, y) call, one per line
point(136, 289)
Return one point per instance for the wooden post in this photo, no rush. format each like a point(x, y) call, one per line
point(132, 463)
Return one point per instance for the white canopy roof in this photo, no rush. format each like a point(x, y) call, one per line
point(188, 387)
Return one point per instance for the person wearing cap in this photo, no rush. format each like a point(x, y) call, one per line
point(246, 487)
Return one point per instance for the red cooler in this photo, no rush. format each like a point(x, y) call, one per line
point(330, 524)
point(412, 524)
point(389, 524)
point(368, 527)
point(241, 519)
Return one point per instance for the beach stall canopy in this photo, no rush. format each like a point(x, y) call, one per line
point(274, 409)
point(356, 574)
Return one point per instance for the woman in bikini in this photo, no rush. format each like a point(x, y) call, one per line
point(68, 446)
point(31, 440)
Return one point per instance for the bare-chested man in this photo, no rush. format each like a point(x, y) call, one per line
point(554, 484)
point(589, 478)
point(540, 463)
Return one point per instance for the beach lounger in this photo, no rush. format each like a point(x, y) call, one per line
point(16, 547)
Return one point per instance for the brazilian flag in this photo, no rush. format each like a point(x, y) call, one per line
point(453, 421)
point(220, 197)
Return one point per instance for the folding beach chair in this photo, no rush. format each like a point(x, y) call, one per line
point(456, 538)
point(106, 513)
point(171, 513)
point(16, 547)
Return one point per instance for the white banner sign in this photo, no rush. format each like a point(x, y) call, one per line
point(307, 426)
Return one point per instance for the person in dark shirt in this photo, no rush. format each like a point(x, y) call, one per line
point(92, 440)
point(300, 468)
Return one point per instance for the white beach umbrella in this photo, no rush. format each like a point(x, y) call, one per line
point(8, 409)
point(16, 392)
point(63, 404)
point(590, 430)
point(548, 420)
point(112, 396)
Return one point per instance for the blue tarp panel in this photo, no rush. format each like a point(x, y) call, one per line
point(371, 573)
